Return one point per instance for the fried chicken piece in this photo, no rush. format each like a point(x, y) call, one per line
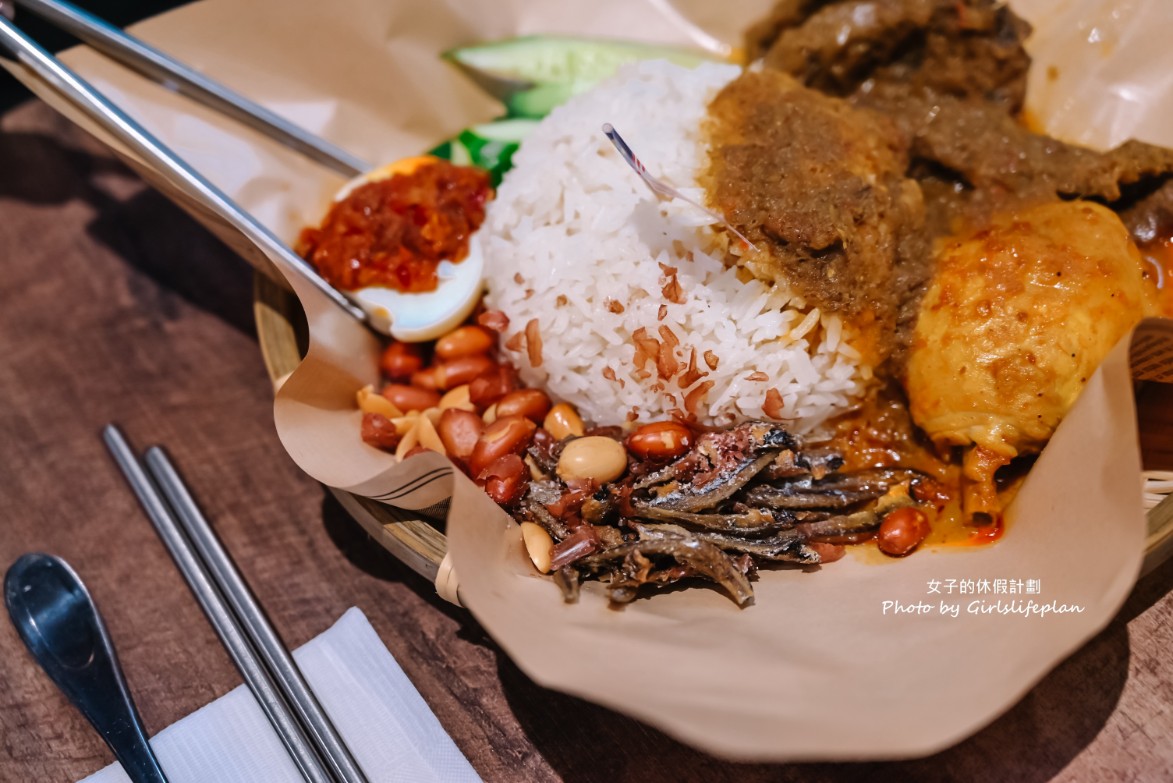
point(1016, 319)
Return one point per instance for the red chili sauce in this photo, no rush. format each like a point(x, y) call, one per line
point(395, 232)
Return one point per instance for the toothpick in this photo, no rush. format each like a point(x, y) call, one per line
point(662, 189)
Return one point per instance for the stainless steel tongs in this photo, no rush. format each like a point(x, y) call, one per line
point(67, 92)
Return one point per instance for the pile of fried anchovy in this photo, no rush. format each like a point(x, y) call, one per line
point(737, 498)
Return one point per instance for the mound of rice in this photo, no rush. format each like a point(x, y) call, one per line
point(620, 303)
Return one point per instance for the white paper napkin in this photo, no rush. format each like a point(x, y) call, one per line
point(386, 723)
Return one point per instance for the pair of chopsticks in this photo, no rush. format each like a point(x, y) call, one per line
point(268, 669)
point(57, 83)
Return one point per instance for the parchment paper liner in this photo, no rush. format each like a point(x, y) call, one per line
point(815, 669)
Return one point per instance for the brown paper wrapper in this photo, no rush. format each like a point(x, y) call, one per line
point(823, 666)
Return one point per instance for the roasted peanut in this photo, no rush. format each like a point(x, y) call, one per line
point(490, 414)
point(828, 553)
point(494, 321)
point(531, 403)
point(410, 398)
point(462, 370)
point(507, 435)
point(902, 531)
point(535, 472)
point(563, 421)
point(459, 431)
point(405, 422)
point(928, 490)
point(492, 386)
point(593, 457)
point(538, 545)
point(410, 440)
point(660, 440)
point(400, 360)
point(425, 379)
point(457, 397)
point(506, 479)
point(464, 341)
point(427, 436)
point(378, 431)
point(369, 402)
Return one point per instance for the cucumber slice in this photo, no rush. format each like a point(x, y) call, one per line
point(489, 146)
point(495, 157)
point(460, 154)
point(515, 65)
point(539, 101)
point(504, 130)
point(492, 145)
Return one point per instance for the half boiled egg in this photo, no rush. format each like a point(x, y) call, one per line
point(414, 317)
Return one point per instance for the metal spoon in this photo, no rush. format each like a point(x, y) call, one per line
point(56, 617)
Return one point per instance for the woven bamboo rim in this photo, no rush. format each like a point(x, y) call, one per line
point(282, 333)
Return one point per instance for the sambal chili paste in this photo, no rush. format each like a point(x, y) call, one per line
point(394, 232)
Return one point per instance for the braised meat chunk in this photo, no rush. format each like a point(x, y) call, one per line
point(973, 160)
point(961, 48)
point(820, 189)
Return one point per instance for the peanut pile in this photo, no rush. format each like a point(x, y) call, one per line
point(453, 397)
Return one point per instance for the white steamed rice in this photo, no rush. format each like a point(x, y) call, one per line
point(575, 242)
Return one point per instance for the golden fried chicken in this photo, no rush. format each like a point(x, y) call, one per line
point(1015, 321)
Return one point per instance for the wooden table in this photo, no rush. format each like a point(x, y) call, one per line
point(114, 306)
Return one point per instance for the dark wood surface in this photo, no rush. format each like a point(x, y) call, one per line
point(114, 306)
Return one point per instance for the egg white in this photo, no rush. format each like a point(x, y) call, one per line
point(414, 317)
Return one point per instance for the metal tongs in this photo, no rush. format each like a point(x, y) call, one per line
point(67, 92)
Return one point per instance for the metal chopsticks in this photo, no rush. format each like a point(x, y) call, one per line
point(274, 654)
point(266, 665)
point(194, 192)
point(159, 67)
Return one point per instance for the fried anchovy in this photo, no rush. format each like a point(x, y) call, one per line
point(789, 464)
point(705, 559)
point(622, 588)
point(610, 536)
point(845, 525)
point(542, 459)
point(534, 511)
point(878, 480)
point(781, 497)
point(620, 592)
point(569, 581)
point(545, 491)
point(746, 522)
point(838, 491)
point(661, 476)
point(635, 570)
point(596, 508)
point(691, 498)
point(719, 464)
point(785, 546)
